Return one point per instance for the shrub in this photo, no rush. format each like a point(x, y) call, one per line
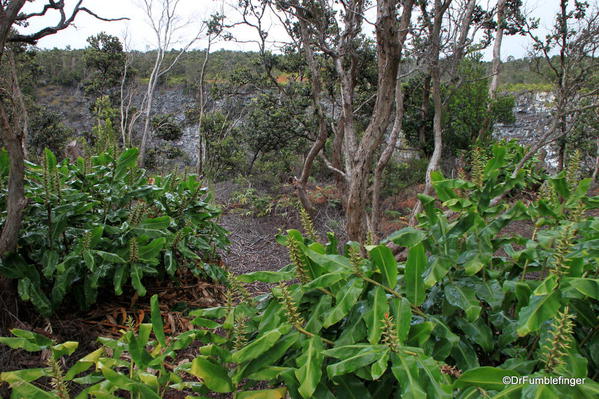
point(166, 127)
point(48, 131)
point(468, 309)
point(101, 222)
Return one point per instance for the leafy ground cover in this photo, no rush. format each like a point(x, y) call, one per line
point(97, 224)
point(470, 305)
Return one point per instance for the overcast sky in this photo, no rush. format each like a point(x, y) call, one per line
point(141, 36)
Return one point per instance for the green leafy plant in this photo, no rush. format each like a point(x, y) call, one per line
point(101, 222)
point(473, 304)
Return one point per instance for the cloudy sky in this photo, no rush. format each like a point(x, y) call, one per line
point(140, 36)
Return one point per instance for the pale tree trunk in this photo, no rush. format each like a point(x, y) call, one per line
point(495, 68)
point(149, 96)
point(424, 110)
point(316, 82)
point(164, 26)
point(496, 62)
point(202, 102)
point(375, 215)
point(435, 72)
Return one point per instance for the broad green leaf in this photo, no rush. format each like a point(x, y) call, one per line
point(383, 259)
point(345, 300)
point(464, 356)
point(363, 358)
point(325, 281)
point(314, 323)
point(26, 375)
point(125, 162)
point(437, 270)
point(170, 263)
point(586, 286)
point(379, 367)
point(402, 312)
point(277, 393)
point(119, 278)
point(23, 389)
point(437, 386)
point(509, 392)
point(406, 372)
point(350, 387)
point(532, 391)
point(158, 223)
point(49, 261)
point(152, 249)
point(374, 317)
point(406, 237)
point(331, 263)
point(157, 324)
point(539, 310)
point(31, 336)
point(269, 373)
point(269, 357)
point(478, 332)
point(310, 366)
point(213, 375)
point(266, 277)
point(109, 257)
point(84, 364)
point(490, 378)
point(463, 298)
point(490, 291)
point(547, 286)
point(136, 275)
point(257, 347)
point(413, 275)
point(64, 349)
point(420, 333)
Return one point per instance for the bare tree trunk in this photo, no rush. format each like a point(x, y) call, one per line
point(496, 62)
point(152, 83)
point(23, 115)
point(316, 81)
point(424, 110)
point(201, 140)
point(389, 49)
point(375, 215)
point(16, 202)
point(596, 169)
point(164, 26)
point(435, 72)
point(495, 69)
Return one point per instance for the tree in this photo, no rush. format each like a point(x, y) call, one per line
point(215, 29)
point(106, 58)
point(165, 23)
point(11, 16)
point(446, 30)
point(574, 39)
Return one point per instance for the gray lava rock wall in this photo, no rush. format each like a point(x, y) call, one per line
point(532, 111)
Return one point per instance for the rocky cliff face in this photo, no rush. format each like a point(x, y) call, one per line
point(532, 111)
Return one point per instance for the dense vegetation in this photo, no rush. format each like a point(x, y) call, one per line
point(462, 265)
point(102, 222)
point(469, 307)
